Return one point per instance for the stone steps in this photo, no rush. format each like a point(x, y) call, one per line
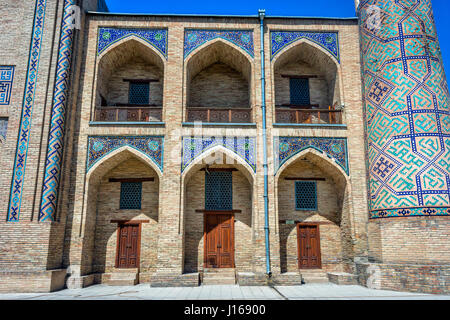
point(123, 277)
point(314, 276)
point(219, 277)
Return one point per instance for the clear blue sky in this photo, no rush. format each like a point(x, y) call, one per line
point(323, 8)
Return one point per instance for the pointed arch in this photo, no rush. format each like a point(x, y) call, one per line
point(214, 42)
point(219, 51)
point(300, 42)
point(132, 39)
point(321, 160)
point(338, 217)
point(114, 157)
point(190, 169)
point(319, 58)
point(128, 53)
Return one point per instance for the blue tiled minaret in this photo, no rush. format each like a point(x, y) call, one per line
point(407, 112)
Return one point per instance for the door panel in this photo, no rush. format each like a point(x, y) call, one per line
point(212, 241)
point(309, 256)
point(219, 247)
point(226, 246)
point(128, 246)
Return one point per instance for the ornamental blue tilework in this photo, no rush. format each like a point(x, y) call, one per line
point(6, 83)
point(195, 38)
point(52, 177)
point(287, 147)
point(327, 40)
point(150, 146)
point(20, 161)
point(244, 147)
point(407, 115)
point(157, 38)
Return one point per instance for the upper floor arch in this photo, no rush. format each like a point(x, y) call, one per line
point(129, 82)
point(307, 83)
point(219, 83)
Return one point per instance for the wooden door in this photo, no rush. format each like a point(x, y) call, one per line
point(128, 246)
point(219, 241)
point(309, 256)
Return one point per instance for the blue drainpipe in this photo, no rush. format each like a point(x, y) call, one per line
point(262, 14)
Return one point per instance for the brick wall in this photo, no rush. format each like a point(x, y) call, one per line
point(219, 86)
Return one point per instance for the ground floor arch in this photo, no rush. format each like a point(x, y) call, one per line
point(218, 232)
point(120, 217)
point(314, 214)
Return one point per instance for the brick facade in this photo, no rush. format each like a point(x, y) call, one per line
point(220, 70)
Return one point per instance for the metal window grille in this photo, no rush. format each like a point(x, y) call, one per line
point(139, 93)
point(305, 195)
point(299, 89)
point(3, 127)
point(218, 190)
point(130, 195)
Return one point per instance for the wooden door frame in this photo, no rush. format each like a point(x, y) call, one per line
point(121, 223)
point(230, 213)
point(305, 224)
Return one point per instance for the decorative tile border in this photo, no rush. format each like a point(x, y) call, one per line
point(6, 83)
point(410, 212)
point(195, 38)
point(244, 147)
point(20, 161)
point(287, 147)
point(100, 146)
point(327, 40)
point(157, 38)
point(406, 102)
point(52, 172)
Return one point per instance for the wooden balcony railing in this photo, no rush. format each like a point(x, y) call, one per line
point(305, 115)
point(219, 115)
point(129, 114)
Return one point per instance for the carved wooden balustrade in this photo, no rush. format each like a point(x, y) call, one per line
point(219, 115)
point(307, 115)
point(129, 113)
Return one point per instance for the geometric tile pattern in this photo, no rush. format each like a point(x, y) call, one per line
point(195, 38)
point(305, 195)
point(157, 38)
point(327, 40)
point(130, 195)
point(287, 147)
point(299, 92)
point(6, 83)
point(244, 147)
point(20, 161)
point(406, 111)
point(50, 188)
point(150, 146)
point(139, 93)
point(218, 190)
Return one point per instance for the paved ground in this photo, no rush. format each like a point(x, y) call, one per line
point(230, 292)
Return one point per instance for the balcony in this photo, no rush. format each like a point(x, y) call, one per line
point(219, 115)
point(129, 113)
point(292, 114)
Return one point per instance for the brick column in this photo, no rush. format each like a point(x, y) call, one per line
point(170, 241)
